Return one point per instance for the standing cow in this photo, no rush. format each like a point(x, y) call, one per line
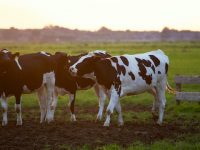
point(26, 74)
point(68, 84)
point(127, 75)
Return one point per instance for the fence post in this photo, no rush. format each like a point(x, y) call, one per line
point(178, 88)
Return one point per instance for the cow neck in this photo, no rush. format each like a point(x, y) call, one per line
point(13, 67)
point(107, 78)
point(95, 68)
point(74, 59)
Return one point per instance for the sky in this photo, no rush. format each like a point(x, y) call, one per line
point(137, 15)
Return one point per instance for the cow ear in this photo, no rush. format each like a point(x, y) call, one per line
point(57, 53)
point(61, 58)
point(61, 54)
point(15, 55)
point(96, 58)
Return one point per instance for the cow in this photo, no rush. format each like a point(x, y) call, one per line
point(127, 75)
point(68, 84)
point(28, 73)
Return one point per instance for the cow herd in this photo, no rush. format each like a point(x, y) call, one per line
point(56, 74)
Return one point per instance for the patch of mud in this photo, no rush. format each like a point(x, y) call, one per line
point(33, 135)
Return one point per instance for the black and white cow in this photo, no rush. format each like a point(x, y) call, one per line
point(68, 84)
point(127, 75)
point(28, 73)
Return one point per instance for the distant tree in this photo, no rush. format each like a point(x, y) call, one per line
point(165, 34)
point(165, 29)
point(104, 30)
point(51, 27)
point(13, 28)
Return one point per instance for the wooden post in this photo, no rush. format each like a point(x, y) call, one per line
point(178, 88)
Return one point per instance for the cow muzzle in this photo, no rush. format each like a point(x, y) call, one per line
point(73, 71)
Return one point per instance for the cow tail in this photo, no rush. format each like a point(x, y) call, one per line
point(170, 89)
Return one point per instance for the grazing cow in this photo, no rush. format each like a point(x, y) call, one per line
point(26, 74)
point(128, 75)
point(68, 84)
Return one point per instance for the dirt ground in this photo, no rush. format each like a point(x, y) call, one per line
point(33, 135)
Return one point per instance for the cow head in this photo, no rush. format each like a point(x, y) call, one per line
point(61, 60)
point(84, 66)
point(6, 58)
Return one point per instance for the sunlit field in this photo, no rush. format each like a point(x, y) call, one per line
point(181, 128)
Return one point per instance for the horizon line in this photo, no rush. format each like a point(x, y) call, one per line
point(96, 30)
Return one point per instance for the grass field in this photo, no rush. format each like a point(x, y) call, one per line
point(181, 129)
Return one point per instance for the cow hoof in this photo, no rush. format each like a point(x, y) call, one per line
point(73, 118)
point(159, 123)
point(49, 119)
point(106, 124)
point(42, 120)
point(4, 123)
point(19, 123)
point(121, 124)
point(98, 118)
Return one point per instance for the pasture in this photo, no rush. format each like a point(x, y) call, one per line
point(181, 128)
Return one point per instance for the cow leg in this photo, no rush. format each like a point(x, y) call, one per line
point(50, 87)
point(42, 102)
point(162, 101)
point(119, 111)
point(5, 109)
point(155, 102)
point(54, 103)
point(18, 109)
point(101, 97)
point(113, 102)
point(49, 115)
point(71, 106)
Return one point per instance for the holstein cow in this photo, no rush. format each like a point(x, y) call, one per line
point(127, 75)
point(25, 74)
point(68, 84)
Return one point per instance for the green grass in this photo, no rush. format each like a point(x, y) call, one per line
point(189, 143)
point(184, 59)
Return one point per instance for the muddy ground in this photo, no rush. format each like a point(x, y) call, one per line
point(33, 135)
